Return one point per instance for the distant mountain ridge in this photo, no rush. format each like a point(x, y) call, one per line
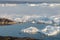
point(23, 2)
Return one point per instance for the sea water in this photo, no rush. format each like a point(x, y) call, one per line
point(15, 31)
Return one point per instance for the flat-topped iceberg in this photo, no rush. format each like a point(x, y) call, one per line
point(44, 22)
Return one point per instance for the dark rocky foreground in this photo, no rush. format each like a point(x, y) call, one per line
point(15, 38)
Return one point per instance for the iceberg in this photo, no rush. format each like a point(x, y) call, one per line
point(48, 31)
point(51, 30)
point(44, 22)
point(30, 30)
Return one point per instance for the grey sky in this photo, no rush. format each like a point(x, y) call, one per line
point(35, 0)
point(27, 10)
point(23, 9)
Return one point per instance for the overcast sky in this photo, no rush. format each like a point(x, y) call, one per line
point(23, 9)
point(34, 0)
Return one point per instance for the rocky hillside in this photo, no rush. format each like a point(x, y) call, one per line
point(4, 21)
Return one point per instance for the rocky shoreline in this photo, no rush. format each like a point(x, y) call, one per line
point(15, 38)
point(5, 21)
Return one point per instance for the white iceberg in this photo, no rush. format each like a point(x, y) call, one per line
point(45, 22)
point(33, 22)
point(30, 30)
point(51, 30)
point(33, 5)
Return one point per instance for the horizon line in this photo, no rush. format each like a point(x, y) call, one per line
point(24, 2)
